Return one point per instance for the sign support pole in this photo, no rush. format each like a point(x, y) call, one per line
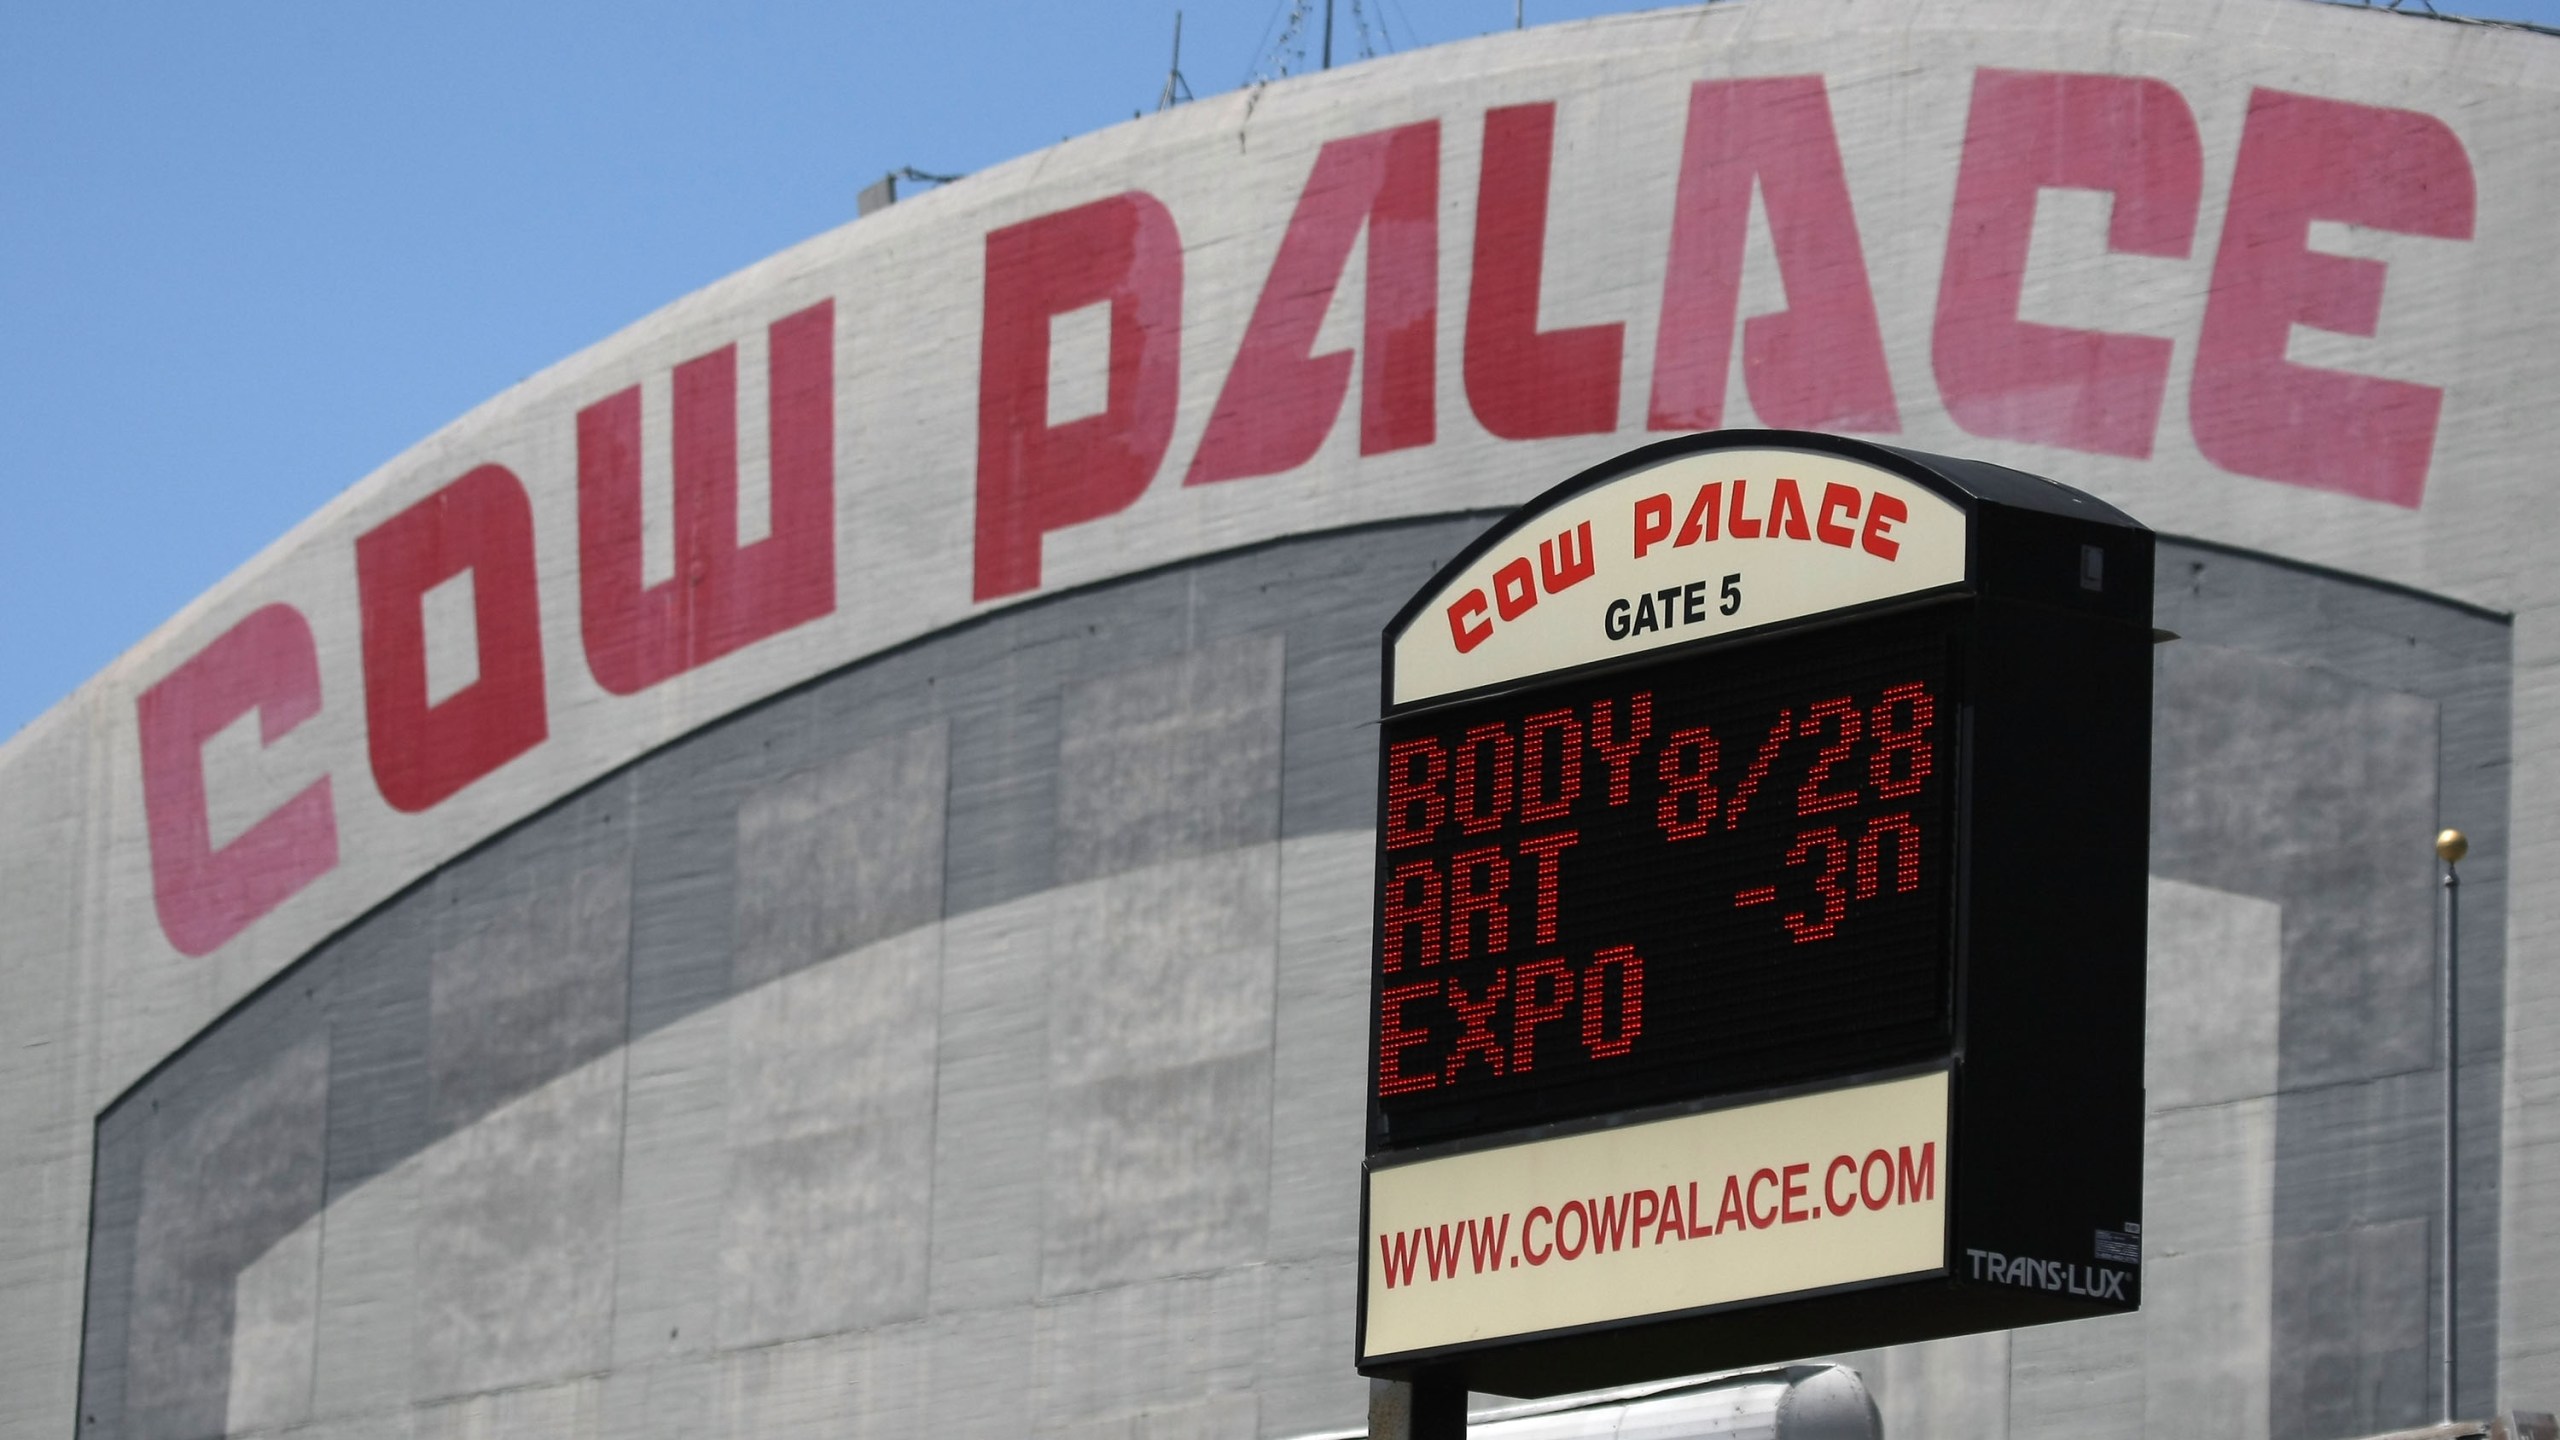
point(1425, 1409)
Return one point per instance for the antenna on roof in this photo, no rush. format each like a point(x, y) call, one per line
point(1288, 54)
point(1176, 89)
point(882, 193)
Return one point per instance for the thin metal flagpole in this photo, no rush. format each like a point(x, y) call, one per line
point(2451, 846)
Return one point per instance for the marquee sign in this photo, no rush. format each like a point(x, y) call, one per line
point(1762, 828)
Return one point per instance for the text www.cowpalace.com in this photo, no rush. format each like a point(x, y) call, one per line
point(1781, 1195)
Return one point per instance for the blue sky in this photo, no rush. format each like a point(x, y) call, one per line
point(250, 252)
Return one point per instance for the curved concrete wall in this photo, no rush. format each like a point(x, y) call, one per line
point(2101, 245)
point(970, 1042)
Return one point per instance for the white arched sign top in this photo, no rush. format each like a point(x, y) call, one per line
point(1698, 545)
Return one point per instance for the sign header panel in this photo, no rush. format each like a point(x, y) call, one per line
point(1698, 546)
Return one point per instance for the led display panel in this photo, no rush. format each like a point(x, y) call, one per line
point(1760, 896)
point(1706, 874)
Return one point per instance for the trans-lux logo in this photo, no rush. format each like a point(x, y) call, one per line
point(2095, 1281)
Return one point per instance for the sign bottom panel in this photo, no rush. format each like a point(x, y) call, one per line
point(1785, 1196)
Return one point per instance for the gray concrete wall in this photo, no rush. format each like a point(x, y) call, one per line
point(971, 1042)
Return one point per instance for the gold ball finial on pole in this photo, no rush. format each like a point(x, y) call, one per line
point(2451, 846)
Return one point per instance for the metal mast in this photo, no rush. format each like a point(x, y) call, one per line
point(1176, 89)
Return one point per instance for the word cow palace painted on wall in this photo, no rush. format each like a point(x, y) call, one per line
point(1340, 302)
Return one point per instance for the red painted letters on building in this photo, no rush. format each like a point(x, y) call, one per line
point(1280, 399)
point(2255, 412)
point(1525, 383)
point(424, 750)
point(2091, 390)
point(1035, 477)
point(723, 595)
point(266, 663)
point(1820, 363)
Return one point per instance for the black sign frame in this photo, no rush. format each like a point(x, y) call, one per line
point(2045, 936)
